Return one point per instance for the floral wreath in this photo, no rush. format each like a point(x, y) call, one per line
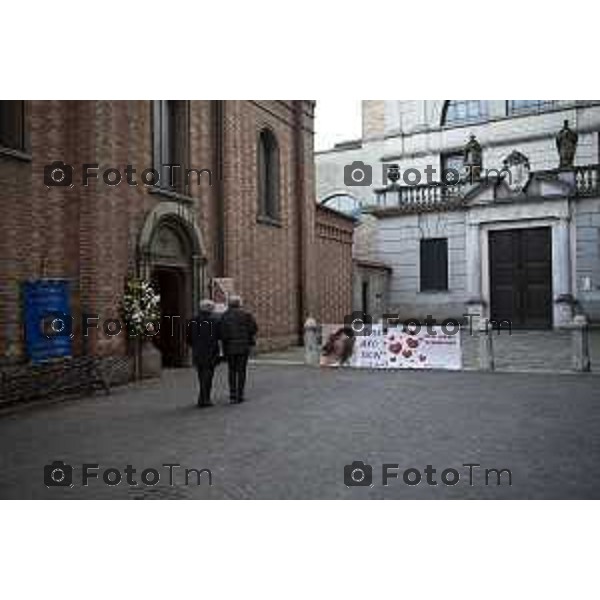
point(141, 307)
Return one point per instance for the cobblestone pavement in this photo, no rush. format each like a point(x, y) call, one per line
point(302, 425)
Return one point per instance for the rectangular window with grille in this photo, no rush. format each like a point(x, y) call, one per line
point(434, 264)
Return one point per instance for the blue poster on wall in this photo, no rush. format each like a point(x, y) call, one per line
point(48, 322)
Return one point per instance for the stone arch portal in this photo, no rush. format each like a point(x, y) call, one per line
point(171, 255)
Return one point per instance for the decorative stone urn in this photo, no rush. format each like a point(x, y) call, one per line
point(393, 174)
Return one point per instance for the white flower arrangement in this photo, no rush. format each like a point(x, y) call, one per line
point(141, 306)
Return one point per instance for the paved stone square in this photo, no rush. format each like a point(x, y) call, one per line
point(302, 425)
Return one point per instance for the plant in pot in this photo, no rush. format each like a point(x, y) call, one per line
point(141, 313)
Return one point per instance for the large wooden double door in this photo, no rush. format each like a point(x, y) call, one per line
point(521, 276)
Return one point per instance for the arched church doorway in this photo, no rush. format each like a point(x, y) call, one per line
point(172, 258)
point(171, 283)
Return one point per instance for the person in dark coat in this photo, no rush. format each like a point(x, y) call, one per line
point(203, 336)
point(238, 332)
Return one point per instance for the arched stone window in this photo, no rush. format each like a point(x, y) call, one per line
point(457, 112)
point(268, 176)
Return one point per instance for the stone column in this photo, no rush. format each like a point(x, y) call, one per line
point(486, 349)
point(561, 273)
point(311, 342)
point(581, 344)
point(474, 291)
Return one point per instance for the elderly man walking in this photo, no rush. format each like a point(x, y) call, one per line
point(238, 332)
point(203, 336)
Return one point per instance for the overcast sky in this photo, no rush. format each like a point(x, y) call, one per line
point(336, 121)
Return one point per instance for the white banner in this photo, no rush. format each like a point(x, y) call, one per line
point(397, 348)
point(431, 349)
point(369, 350)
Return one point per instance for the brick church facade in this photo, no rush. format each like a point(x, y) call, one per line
point(245, 220)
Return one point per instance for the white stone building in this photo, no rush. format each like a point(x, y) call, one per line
point(520, 242)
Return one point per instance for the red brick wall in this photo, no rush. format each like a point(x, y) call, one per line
point(262, 258)
point(90, 234)
point(334, 233)
point(18, 235)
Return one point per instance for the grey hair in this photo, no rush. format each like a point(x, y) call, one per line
point(235, 301)
point(207, 305)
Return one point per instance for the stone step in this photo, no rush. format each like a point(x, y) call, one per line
point(528, 350)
